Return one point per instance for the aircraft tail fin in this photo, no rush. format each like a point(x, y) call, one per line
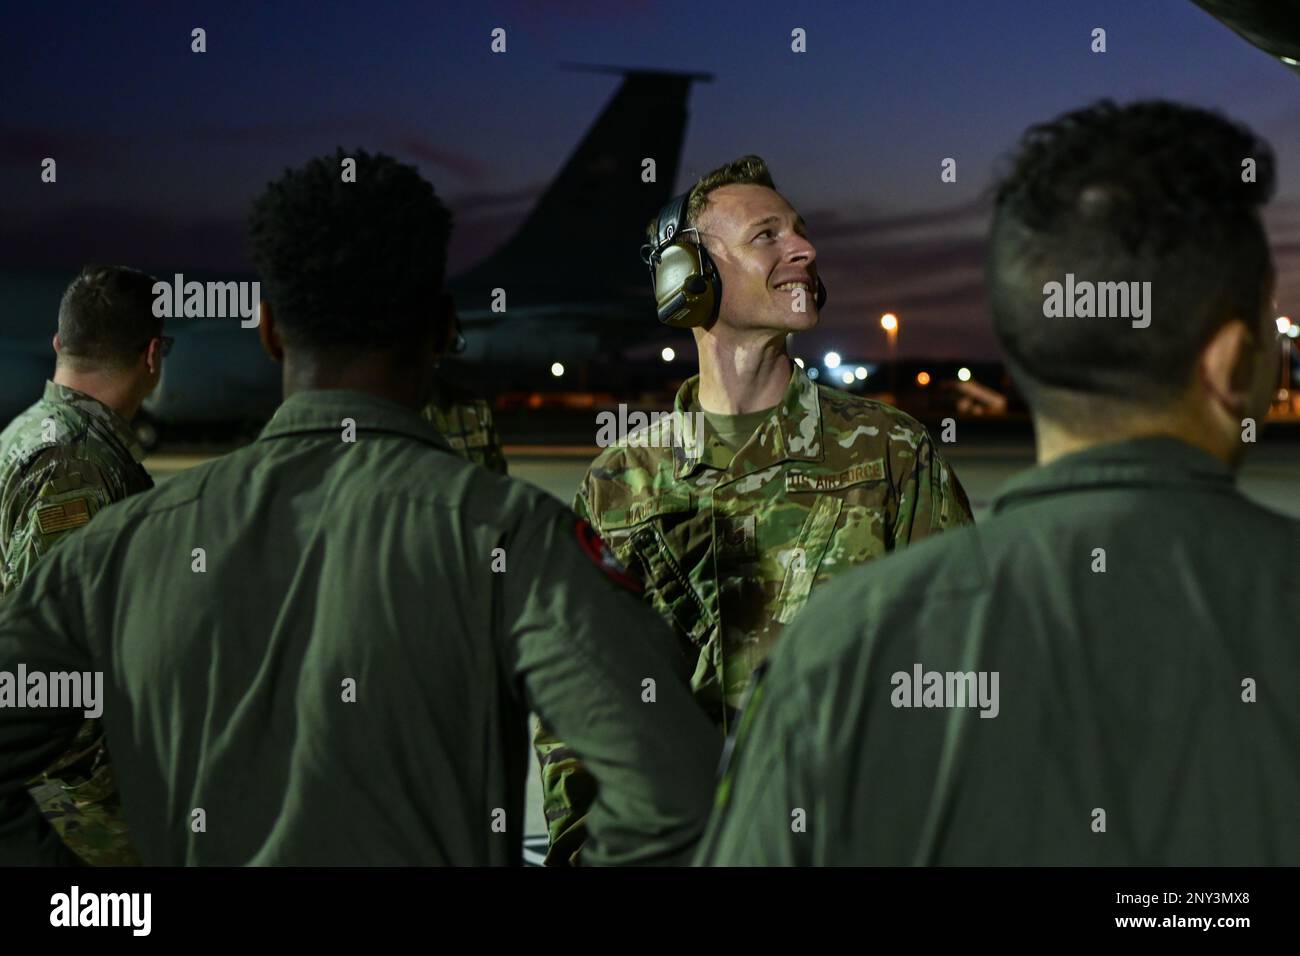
point(592, 217)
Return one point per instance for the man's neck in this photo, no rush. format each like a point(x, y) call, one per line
point(739, 377)
point(115, 392)
point(1054, 441)
point(378, 375)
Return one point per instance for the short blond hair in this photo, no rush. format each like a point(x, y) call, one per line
point(746, 171)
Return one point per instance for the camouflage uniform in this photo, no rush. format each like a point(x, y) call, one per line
point(729, 551)
point(61, 461)
point(465, 420)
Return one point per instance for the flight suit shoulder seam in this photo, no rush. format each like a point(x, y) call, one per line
point(60, 585)
point(536, 505)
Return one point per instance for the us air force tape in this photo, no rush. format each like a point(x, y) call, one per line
point(603, 557)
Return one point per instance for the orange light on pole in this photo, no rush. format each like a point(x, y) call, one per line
point(923, 379)
point(889, 322)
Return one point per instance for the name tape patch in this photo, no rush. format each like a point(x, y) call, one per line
point(867, 471)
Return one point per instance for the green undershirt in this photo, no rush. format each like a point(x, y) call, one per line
point(728, 433)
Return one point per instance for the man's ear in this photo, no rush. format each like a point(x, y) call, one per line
point(268, 333)
point(1228, 366)
point(58, 343)
point(153, 356)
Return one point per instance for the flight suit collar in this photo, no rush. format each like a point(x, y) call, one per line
point(792, 433)
point(1139, 462)
point(323, 411)
point(117, 426)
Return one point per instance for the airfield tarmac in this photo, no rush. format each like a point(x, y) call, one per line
point(1271, 476)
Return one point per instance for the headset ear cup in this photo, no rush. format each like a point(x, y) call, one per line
point(685, 286)
point(688, 291)
point(821, 293)
point(710, 272)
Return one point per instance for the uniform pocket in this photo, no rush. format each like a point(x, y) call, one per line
point(641, 541)
point(806, 557)
point(845, 527)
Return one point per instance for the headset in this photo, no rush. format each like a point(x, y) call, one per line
point(687, 287)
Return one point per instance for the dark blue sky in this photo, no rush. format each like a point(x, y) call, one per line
point(160, 149)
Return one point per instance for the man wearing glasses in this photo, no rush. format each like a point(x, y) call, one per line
point(65, 458)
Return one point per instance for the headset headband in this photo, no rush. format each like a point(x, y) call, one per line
point(671, 219)
point(668, 224)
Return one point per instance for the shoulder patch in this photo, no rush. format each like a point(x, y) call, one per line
point(595, 548)
point(51, 519)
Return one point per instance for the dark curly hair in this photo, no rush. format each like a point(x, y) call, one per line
point(1152, 191)
point(351, 264)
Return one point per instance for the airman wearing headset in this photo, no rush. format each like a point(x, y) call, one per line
point(791, 483)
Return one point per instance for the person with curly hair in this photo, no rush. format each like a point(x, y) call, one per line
point(1104, 671)
point(323, 648)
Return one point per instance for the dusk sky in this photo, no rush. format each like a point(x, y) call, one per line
point(160, 149)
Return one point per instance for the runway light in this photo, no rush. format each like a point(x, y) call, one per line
point(557, 369)
point(799, 362)
point(923, 379)
point(668, 355)
point(1283, 325)
point(860, 373)
point(832, 360)
point(813, 373)
point(963, 375)
point(889, 321)
point(846, 378)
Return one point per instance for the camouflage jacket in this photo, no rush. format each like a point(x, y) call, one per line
point(61, 461)
point(728, 555)
point(465, 420)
